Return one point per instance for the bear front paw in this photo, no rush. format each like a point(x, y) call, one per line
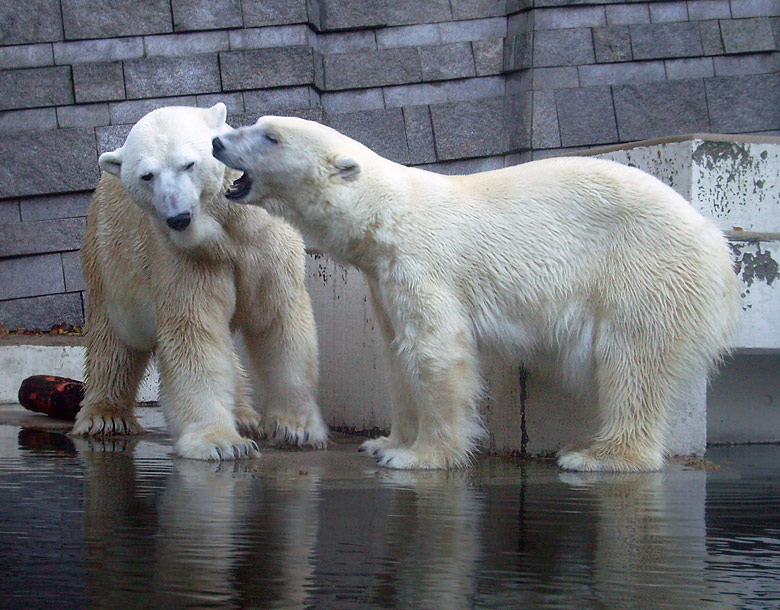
point(249, 422)
point(300, 430)
point(603, 460)
point(96, 423)
point(375, 445)
point(215, 444)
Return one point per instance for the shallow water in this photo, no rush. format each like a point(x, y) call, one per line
point(125, 525)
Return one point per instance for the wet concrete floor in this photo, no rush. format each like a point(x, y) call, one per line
point(123, 524)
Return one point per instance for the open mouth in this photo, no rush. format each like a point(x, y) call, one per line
point(240, 187)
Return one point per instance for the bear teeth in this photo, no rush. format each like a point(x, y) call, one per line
point(240, 187)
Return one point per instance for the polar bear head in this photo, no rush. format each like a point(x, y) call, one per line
point(167, 168)
point(291, 166)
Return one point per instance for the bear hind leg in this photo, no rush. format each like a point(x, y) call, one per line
point(633, 400)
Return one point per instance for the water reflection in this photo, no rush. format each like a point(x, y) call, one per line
point(123, 525)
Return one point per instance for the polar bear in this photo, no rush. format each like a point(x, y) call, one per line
point(172, 268)
point(595, 266)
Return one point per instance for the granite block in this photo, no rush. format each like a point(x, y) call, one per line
point(419, 135)
point(744, 104)
point(191, 15)
point(29, 276)
point(84, 19)
point(30, 21)
point(660, 109)
point(747, 35)
point(258, 13)
point(372, 68)
point(662, 40)
point(381, 130)
point(442, 62)
point(612, 44)
point(98, 51)
point(71, 205)
point(84, 115)
point(169, 76)
point(35, 119)
point(26, 56)
point(58, 161)
point(474, 128)
point(33, 87)
point(42, 236)
point(586, 116)
point(99, 82)
point(43, 312)
point(563, 47)
point(263, 68)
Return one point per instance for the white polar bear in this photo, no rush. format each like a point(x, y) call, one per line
point(172, 268)
point(593, 265)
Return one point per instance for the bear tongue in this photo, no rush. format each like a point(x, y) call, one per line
point(240, 187)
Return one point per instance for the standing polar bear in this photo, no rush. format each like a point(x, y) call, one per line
point(172, 268)
point(593, 265)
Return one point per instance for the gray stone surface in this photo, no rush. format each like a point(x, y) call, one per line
point(351, 101)
point(745, 103)
point(163, 76)
point(107, 18)
point(660, 40)
point(274, 12)
point(206, 14)
point(469, 129)
point(123, 113)
point(262, 68)
point(545, 132)
point(58, 161)
point(474, 29)
point(372, 68)
point(30, 275)
point(30, 21)
point(72, 205)
point(586, 116)
point(111, 138)
point(85, 115)
point(43, 312)
point(569, 17)
point(49, 236)
point(622, 73)
point(71, 268)
point(472, 9)
point(94, 51)
point(753, 8)
point(488, 56)
point(711, 41)
point(99, 82)
point(408, 36)
point(702, 10)
point(625, 14)
point(742, 65)
point(20, 121)
point(26, 56)
point(261, 38)
point(665, 12)
point(612, 43)
point(346, 14)
point(672, 107)
point(172, 45)
point(268, 100)
point(381, 130)
point(9, 211)
point(444, 62)
point(688, 68)
point(419, 135)
point(747, 35)
point(33, 87)
point(556, 78)
point(563, 47)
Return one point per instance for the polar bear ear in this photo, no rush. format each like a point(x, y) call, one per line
point(111, 162)
point(217, 115)
point(347, 168)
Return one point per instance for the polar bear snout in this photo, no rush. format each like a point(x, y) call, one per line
point(180, 221)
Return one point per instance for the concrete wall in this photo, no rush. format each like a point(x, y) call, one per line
point(456, 85)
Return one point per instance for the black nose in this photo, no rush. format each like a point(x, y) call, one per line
point(179, 222)
point(217, 145)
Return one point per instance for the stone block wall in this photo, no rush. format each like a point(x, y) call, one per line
point(452, 85)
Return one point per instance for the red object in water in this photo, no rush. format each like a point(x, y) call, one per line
point(58, 397)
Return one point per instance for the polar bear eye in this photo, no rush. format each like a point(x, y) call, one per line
point(189, 166)
point(271, 138)
point(147, 177)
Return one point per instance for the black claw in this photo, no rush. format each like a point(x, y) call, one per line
point(219, 453)
point(255, 446)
